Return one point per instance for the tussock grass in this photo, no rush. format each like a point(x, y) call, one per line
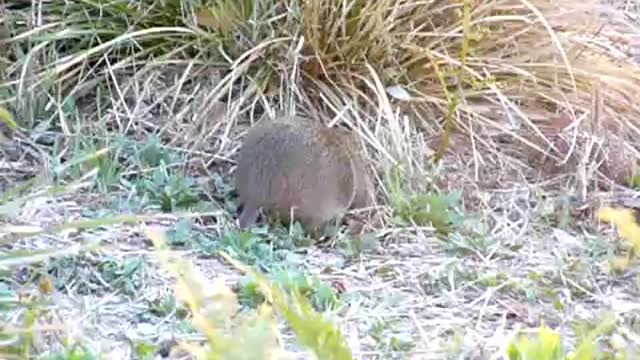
point(484, 67)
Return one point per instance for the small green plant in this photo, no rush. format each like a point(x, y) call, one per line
point(545, 346)
point(166, 190)
point(166, 305)
point(254, 250)
point(124, 274)
point(124, 154)
point(184, 234)
point(256, 247)
point(321, 295)
point(634, 181)
point(447, 276)
point(149, 154)
point(312, 330)
point(75, 351)
point(470, 237)
point(545, 343)
point(438, 210)
point(393, 344)
point(353, 246)
point(225, 191)
point(181, 234)
point(249, 293)
point(89, 276)
point(259, 247)
point(86, 154)
point(285, 237)
point(144, 350)
point(557, 210)
point(249, 248)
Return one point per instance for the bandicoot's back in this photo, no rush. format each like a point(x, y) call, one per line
point(294, 167)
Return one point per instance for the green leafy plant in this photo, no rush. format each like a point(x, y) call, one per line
point(388, 341)
point(545, 343)
point(148, 154)
point(353, 246)
point(75, 351)
point(144, 350)
point(122, 273)
point(321, 295)
point(167, 191)
point(250, 248)
point(166, 305)
point(439, 210)
point(545, 346)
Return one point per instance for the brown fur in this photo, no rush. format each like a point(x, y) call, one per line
point(295, 165)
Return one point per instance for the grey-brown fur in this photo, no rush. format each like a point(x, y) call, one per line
point(300, 164)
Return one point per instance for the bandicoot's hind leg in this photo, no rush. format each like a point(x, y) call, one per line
point(248, 216)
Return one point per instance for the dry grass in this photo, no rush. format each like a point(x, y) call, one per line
point(513, 81)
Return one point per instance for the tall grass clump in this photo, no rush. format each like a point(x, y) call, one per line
point(487, 68)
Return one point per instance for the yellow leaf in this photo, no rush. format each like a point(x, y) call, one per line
point(223, 298)
point(265, 311)
point(5, 117)
point(625, 221)
point(550, 338)
point(620, 263)
point(197, 351)
point(206, 18)
point(185, 295)
point(45, 285)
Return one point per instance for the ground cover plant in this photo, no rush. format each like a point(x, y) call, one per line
point(502, 136)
